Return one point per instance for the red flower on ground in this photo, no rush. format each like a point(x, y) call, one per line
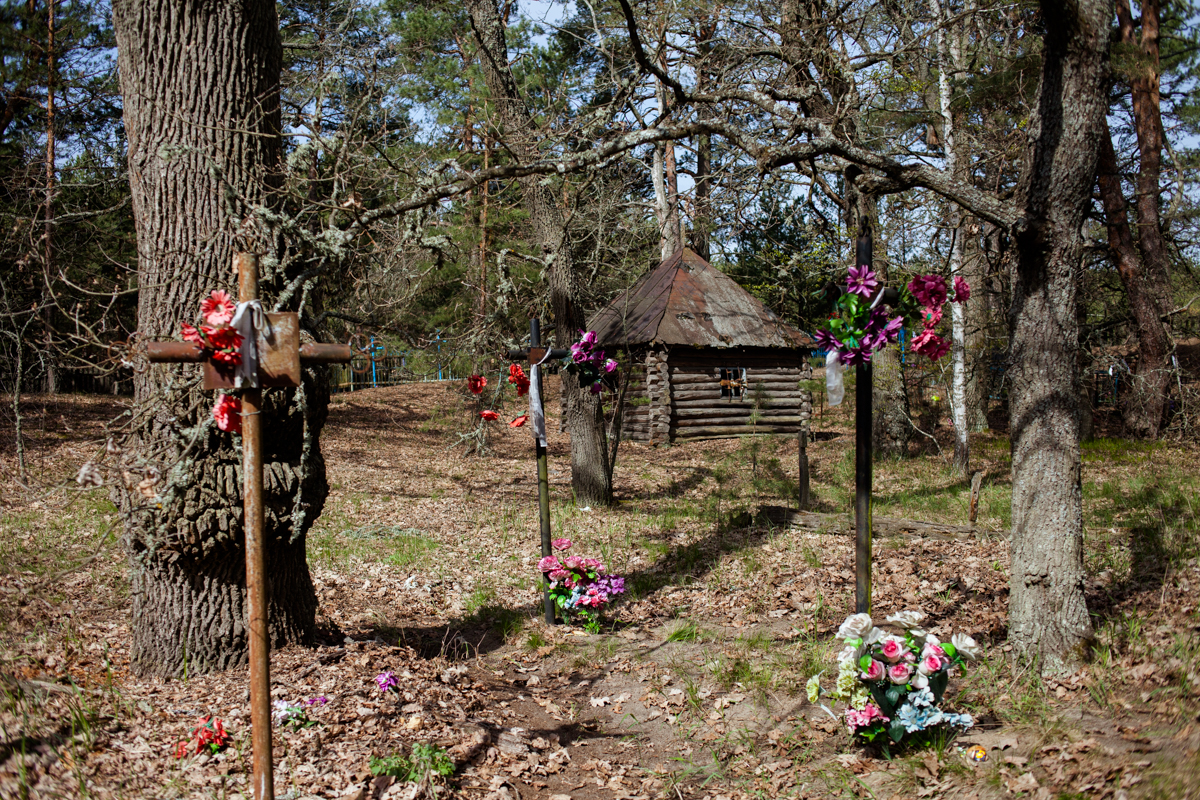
point(476, 383)
point(519, 421)
point(227, 411)
point(218, 308)
point(489, 415)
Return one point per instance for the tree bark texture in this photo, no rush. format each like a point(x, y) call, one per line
point(200, 82)
point(591, 478)
point(975, 271)
point(1151, 138)
point(1143, 405)
point(1048, 616)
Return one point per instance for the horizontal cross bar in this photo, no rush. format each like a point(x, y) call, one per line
point(191, 353)
point(536, 353)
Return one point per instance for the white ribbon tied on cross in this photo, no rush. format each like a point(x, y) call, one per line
point(248, 319)
point(535, 400)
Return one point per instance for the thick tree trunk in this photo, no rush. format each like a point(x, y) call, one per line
point(591, 478)
point(1048, 616)
point(1142, 407)
point(200, 82)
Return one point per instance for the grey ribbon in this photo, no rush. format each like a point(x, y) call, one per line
point(535, 400)
point(248, 320)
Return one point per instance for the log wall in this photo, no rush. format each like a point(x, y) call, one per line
point(676, 395)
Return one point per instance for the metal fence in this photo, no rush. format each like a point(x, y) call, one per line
point(367, 372)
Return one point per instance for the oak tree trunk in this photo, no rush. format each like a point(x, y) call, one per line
point(200, 82)
point(591, 478)
point(1048, 616)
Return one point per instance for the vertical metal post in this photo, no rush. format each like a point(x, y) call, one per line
point(862, 488)
point(263, 782)
point(535, 340)
point(863, 395)
point(802, 439)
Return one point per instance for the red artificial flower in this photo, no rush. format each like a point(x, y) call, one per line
point(489, 415)
point(227, 411)
point(519, 421)
point(476, 383)
point(218, 308)
point(518, 378)
point(190, 334)
point(222, 338)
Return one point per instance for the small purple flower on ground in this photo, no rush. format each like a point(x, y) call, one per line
point(386, 681)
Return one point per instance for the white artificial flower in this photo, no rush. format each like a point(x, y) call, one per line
point(907, 619)
point(849, 655)
point(855, 626)
point(873, 636)
point(965, 645)
point(919, 681)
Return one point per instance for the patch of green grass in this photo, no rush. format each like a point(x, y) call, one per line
point(426, 759)
point(686, 631)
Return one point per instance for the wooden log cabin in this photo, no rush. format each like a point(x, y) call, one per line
point(705, 355)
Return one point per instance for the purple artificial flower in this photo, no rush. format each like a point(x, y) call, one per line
point(386, 681)
point(610, 366)
point(862, 281)
point(825, 340)
point(316, 701)
point(588, 338)
point(891, 331)
point(579, 353)
point(596, 388)
point(857, 355)
point(962, 290)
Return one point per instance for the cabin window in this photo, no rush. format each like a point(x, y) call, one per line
point(733, 382)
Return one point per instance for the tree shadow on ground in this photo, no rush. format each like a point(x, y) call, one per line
point(489, 627)
point(678, 487)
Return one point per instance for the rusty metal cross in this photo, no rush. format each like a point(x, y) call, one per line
point(280, 357)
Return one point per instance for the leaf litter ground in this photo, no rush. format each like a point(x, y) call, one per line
point(424, 563)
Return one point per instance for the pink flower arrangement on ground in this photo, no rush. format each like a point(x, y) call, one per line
point(893, 684)
point(579, 586)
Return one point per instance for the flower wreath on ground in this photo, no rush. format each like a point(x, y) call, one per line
point(894, 684)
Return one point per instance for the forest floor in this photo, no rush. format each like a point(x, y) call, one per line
point(424, 561)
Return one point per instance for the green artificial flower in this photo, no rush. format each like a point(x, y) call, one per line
point(813, 687)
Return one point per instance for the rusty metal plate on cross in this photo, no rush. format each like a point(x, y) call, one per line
point(278, 355)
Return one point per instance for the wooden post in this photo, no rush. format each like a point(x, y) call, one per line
point(802, 438)
point(274, 370)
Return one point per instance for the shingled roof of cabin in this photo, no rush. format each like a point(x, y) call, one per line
point(687, 301)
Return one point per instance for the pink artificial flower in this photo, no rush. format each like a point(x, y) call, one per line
point(962, 290)
point(593, 563)
point(489, 415)
point(589, 338)
point(930, 344)
point(930, 290)
point(900, 673)
point(558, 574)
point(217, 308)
point(875, 671)
point(227, 411)
point(548, 563)
point(610, 366)
point(573, 562)
point(932, 649)
point(893, 649)
point(931, 315)
point(561, 544)
point(930, 665)
point(863, 719)
point(190, 334)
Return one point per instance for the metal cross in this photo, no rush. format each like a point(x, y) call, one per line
point(863, 463)
point(535, 354)
point(280, 355)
